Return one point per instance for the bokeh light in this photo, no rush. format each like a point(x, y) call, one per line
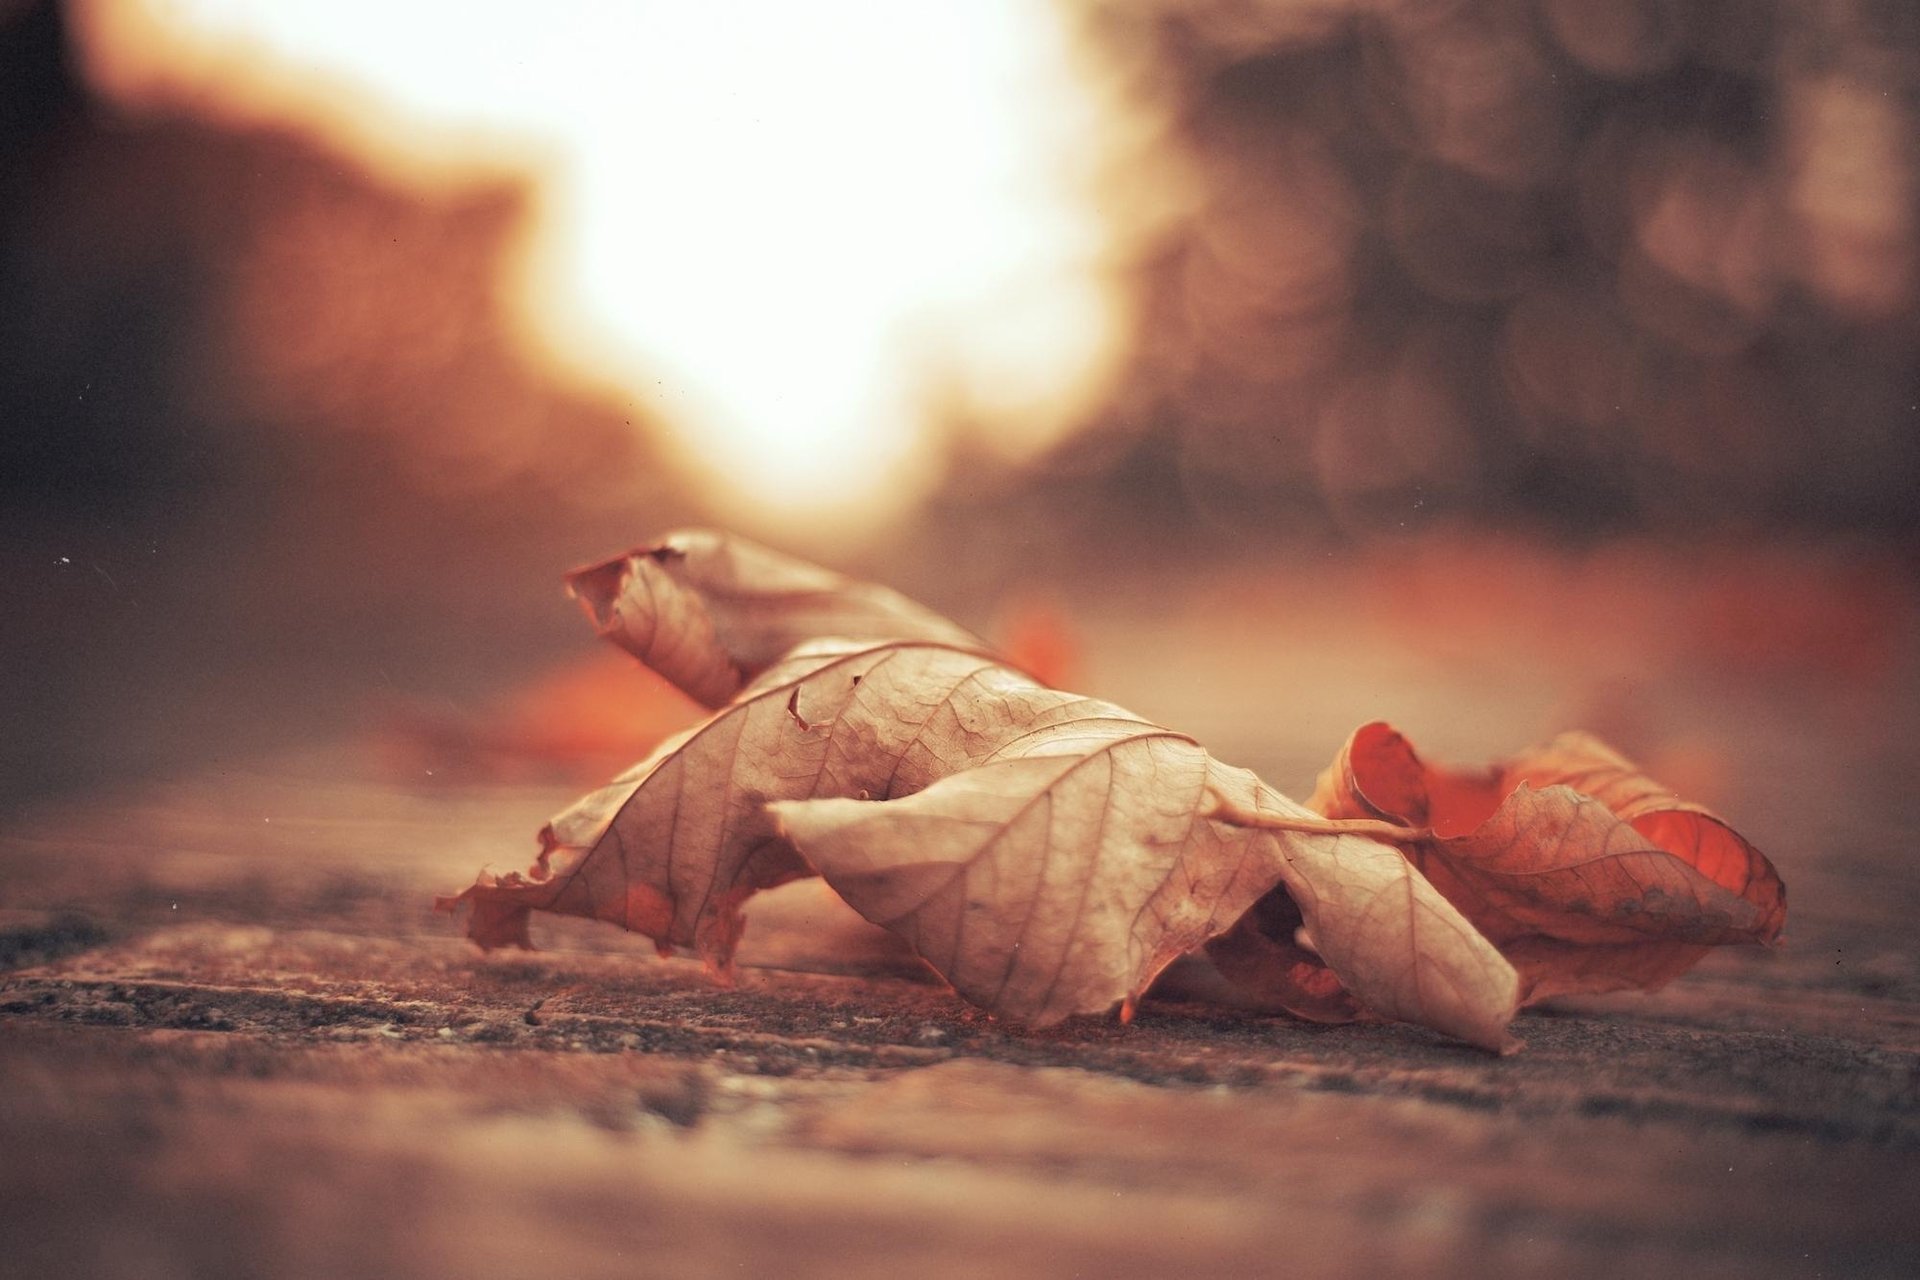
point(1578, 268)
point(784, 230)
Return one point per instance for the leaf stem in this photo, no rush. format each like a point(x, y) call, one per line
point(1374, 828)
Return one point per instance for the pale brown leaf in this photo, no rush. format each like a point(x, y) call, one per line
point(672, 847)
point(1064, 874)
point(1048, 853)
point(710, 611)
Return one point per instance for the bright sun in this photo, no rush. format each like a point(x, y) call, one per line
point(789, 228)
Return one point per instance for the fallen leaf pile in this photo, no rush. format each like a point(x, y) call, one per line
point(1050, 854)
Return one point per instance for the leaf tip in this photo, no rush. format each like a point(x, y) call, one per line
point(597, 587)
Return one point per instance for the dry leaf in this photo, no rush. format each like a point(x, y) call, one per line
point(1267, 957)
point(1092, 848)
point(672, 847)
point(1587, 874)
point(1062, 851)
point(710, 611)
point(1049, 854)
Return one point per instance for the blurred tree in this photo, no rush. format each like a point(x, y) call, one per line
point(272, 450)
point(1576, 267)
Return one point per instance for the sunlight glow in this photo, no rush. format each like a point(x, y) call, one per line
point(797, 232)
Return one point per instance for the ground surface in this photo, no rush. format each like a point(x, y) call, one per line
point(235, 1040)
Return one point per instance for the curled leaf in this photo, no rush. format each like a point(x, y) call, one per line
point(1065, 873)
point(676, 844)
point(710, 611)
point(1267, 956)
point(1047, 853)
point(1587, 874)
point(1050, 854)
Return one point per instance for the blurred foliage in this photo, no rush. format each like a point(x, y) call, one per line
point(1644, 264)
point(272, 450)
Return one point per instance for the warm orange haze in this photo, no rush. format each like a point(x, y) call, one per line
point(1359, 268)
point(790, 232)
point(1211, 440)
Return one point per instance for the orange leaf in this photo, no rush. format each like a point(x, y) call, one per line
point(1588, 875)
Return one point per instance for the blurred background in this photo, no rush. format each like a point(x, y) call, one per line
point(1491, 367)
point(1346, 351)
